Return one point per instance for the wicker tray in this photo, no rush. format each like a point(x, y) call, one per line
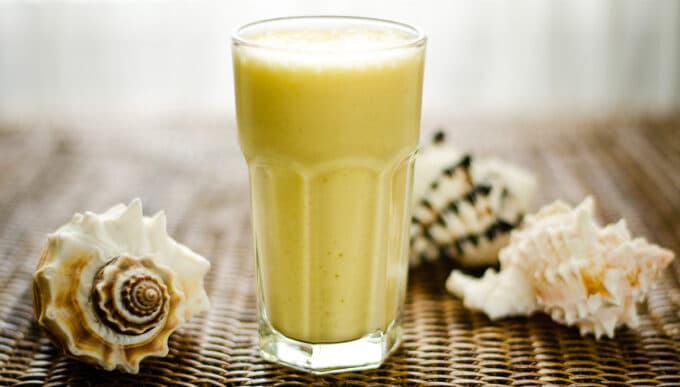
point(199, 178)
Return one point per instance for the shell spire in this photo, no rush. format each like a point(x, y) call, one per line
point(563, 263)
point(111, 288)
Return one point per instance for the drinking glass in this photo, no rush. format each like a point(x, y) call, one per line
point(328, 112)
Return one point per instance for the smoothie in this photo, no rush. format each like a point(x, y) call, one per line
point(328, 123)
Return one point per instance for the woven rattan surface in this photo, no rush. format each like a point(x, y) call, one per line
point(194, 171)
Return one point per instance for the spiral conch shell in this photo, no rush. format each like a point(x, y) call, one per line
point(110, 288)
point(465, 207)
point(563, 263)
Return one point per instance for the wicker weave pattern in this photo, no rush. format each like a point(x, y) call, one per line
point(201, 182)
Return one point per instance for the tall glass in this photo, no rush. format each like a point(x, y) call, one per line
point(328, 112)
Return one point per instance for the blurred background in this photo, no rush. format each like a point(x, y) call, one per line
point(75, 62)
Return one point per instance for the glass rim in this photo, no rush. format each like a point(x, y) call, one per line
point(419, 37)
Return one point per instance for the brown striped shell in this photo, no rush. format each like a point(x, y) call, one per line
point(111, 288)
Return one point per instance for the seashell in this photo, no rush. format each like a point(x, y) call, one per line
point(465, 207)
point(111, 288)
point(563, 263)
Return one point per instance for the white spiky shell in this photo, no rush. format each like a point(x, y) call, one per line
point(110, 288)
point(563, 263)
point(465, 207)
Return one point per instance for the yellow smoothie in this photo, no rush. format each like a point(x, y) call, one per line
point(328, 122)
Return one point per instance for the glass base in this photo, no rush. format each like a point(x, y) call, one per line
point(364, 353)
